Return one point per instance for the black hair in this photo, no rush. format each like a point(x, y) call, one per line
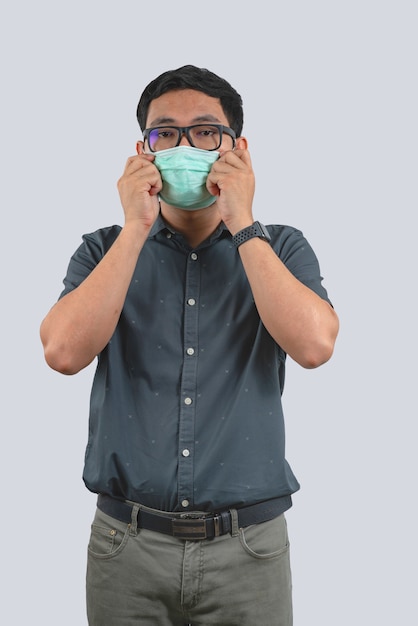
point(199, 79)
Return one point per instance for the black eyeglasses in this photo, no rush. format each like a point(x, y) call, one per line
point(202, 136)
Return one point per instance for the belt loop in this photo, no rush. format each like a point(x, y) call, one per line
point(133, 531)
point(234, 522)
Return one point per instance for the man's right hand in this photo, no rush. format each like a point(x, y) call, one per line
point(138, 189)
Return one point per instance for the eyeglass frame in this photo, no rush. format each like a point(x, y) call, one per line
point(184, 130)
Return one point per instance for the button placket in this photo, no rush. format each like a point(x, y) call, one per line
point(188, 383)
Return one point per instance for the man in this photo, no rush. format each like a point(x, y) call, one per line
point(190, 308)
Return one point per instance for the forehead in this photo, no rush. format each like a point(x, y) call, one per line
point(183, 107)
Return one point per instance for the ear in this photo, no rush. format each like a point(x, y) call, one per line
point(241, 143)
point(140, 147)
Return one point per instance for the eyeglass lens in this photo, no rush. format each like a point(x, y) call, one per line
point(204, 136)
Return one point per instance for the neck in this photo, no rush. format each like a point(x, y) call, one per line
point(195, 226)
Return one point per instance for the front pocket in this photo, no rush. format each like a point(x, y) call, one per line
point(107, 540)
point(266, 540)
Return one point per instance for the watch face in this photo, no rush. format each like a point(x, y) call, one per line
point(265, 232)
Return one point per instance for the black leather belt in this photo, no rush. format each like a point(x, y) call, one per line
point(194, 526)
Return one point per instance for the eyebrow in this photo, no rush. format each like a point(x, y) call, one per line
point(161, 121)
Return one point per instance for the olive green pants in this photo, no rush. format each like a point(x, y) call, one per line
point(142, 577)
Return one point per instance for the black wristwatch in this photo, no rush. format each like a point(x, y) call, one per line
point(255, 230)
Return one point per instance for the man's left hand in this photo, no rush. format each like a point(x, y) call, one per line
point(232, 180)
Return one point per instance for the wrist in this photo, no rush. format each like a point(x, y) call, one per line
point(137, 228)
point(237, 225)
point(254, 230)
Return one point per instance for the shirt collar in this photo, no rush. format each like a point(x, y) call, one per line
point(158, 225)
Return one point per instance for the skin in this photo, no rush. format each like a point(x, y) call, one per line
point(81, 324)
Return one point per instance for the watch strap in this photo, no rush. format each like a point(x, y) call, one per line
point(255, 230)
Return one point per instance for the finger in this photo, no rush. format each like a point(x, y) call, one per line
point(244, 156)
point(141, 175)
point(137, 162)
point(212, 187)
point(238, 158)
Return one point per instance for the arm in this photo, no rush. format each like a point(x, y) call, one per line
point(299, 320)
point(80, 325)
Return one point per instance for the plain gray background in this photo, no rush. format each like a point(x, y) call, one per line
point(330, 97)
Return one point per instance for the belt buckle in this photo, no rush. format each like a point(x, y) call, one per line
point(189, 528)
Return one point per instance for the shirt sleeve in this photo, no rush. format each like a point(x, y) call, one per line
point(91, 251)
point(296, 253)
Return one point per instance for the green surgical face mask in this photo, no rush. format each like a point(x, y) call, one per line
point(184, 171)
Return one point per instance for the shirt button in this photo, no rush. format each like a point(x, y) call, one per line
point(191, 301)
point(190, 351)
point(168, 235)
point(193, 256)
point(186, 452)
point(184, 503)
point(188, 401)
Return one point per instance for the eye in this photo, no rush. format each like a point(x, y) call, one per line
point(164, 133)
point(206, 131)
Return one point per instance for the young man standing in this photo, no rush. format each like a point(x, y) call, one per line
point(190, 309)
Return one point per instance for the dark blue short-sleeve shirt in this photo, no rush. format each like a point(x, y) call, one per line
point(186, 409)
